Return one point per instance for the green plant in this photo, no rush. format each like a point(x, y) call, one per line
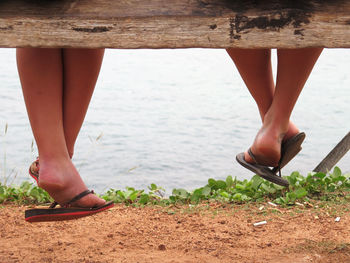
point(26, 193)
point(315, 186)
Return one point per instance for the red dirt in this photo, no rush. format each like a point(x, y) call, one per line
point(203, 234)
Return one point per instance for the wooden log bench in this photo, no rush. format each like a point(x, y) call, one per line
point(179, 24)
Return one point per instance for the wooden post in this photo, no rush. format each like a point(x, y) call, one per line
point(175, 23)
point(334, 156)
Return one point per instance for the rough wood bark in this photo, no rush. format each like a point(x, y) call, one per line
point(334, 156)
point(175, 23)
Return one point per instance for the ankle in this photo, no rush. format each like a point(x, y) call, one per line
point(276, 127)
point(292, 130)
point(49, 159)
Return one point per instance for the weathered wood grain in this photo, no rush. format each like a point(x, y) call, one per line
point(334, 156)
point(175, 24)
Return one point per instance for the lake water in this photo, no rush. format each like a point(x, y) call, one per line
point(176, 118)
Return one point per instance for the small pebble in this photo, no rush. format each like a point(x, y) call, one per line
point(260, 223)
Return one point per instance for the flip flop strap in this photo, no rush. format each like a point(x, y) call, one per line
point(74, 199)
point(278, 169)
point(274, 170)
point(251, 154)
point(53, 205)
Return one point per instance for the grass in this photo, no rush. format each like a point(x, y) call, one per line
point(319, 188)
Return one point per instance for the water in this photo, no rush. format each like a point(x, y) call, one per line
point(176, 118)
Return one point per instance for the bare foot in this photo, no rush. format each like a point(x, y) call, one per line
point(267, 146)
point(63, 182)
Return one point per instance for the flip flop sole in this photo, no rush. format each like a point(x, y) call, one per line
point(262, 171)
point(59, 214)
point(290, 148)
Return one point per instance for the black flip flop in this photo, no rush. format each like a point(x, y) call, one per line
point(289, 149)
point(66, 212)
point(261, 170)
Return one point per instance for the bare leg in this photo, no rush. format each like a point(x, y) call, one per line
point(294, 68)
point(41, 77)
point(254, 66)
point(80, 71)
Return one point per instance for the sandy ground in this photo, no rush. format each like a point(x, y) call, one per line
point(208, 233)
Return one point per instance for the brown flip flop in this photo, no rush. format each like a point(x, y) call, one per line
point(289, 149)
point(261, 170)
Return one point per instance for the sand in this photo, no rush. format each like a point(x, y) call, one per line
point(207, 233)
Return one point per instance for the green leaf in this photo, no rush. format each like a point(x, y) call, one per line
point(300, 192)
point(121, 194)
point(34, 192)
point(224, 194)
point(181, 193)
point(256, 182)
point(229, 181)
point(237, 196)
point(268, 188)
point(211, 182)
point(196, 196)
point(144, 199)
point(342, 178)
point(336, 171)
point(245, 198)
point(291, 197)
point(220, 184)
point(320, 175)
point(279, 187)
point(282, 200)
point(240, 186)
point(197, 192)
point(26, 186)
point(133, 195)
point(292, 179)
point(206, 191)
point(127, 193)
point(331, 187)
